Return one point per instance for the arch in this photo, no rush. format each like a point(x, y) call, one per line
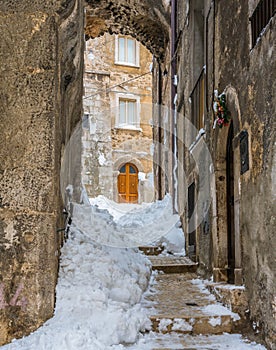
point(146, 20)
point(127, 159)
point(226, 224)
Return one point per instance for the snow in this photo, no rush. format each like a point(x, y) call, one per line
point(215, 321)
point(141, 176)
point(174, 241)
point(181, 325)
point(100, 289)
point(215, 309)
point(101, 159)
point(179, 341)
point(140, 226)
point(163, 324)
point(98, 299)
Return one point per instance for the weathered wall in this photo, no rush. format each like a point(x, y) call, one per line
point(247, 75)
point(36, 118)
point(148, 21)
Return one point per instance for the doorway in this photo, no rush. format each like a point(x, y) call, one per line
point(230, 206)
point(128, 184)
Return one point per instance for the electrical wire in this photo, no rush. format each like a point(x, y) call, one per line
point(114, 86)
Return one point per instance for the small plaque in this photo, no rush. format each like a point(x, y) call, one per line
point(244, 151)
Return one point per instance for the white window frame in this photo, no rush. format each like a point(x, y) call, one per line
point(126, 125)
point(137, 52)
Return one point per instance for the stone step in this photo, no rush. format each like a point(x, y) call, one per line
point(181, 303)
point(169, 341)
point(232, 296)
point(216, 324)
point(152, 250)
point(172, 264)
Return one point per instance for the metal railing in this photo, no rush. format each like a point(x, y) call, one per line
point(260, 18)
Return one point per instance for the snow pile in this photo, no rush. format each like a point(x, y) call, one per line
point(141, 226)
point(174, 241)
point(98, 299)
point(115, 209)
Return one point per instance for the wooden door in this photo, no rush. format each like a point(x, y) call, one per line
point(128, 184)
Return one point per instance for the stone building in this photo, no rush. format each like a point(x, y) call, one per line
point(217, 133)
point(117, 134)
point(199, 47)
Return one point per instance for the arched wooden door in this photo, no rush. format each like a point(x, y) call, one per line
point(128, 184)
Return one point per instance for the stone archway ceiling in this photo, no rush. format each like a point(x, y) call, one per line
point(147, 20)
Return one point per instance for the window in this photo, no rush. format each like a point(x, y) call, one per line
point(198, 101)
point(260, 18)
point(127, 51)
point(128, 114)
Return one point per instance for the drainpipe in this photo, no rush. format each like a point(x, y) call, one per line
point(173, 97)
point(159, 132)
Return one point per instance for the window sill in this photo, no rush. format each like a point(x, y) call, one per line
point(128, 127)
point(200, 134)
point(126, 64)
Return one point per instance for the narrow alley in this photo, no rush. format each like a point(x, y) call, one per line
point(112, 297)
point(137, 175)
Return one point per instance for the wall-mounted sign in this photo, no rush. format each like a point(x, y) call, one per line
point(244, 151)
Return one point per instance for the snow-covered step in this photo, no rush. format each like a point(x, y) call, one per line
point(201, 324)
point(232, 296)
point(170, 341)
point(172, 264)
point(152, 250)
point(181, 303)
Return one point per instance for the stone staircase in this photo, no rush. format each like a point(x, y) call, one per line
point(180, 303)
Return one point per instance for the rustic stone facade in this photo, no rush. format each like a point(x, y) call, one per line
point(39, 82)
point(106, 145)
point(213, 50)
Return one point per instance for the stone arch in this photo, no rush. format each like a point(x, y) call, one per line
point(127, 159)
point(220, 190)
point(147, 21)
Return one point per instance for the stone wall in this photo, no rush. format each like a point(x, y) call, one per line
point(39, 79)
point(247, 76)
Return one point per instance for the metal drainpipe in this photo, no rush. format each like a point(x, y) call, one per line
point(159, 132)
point(173, 94)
